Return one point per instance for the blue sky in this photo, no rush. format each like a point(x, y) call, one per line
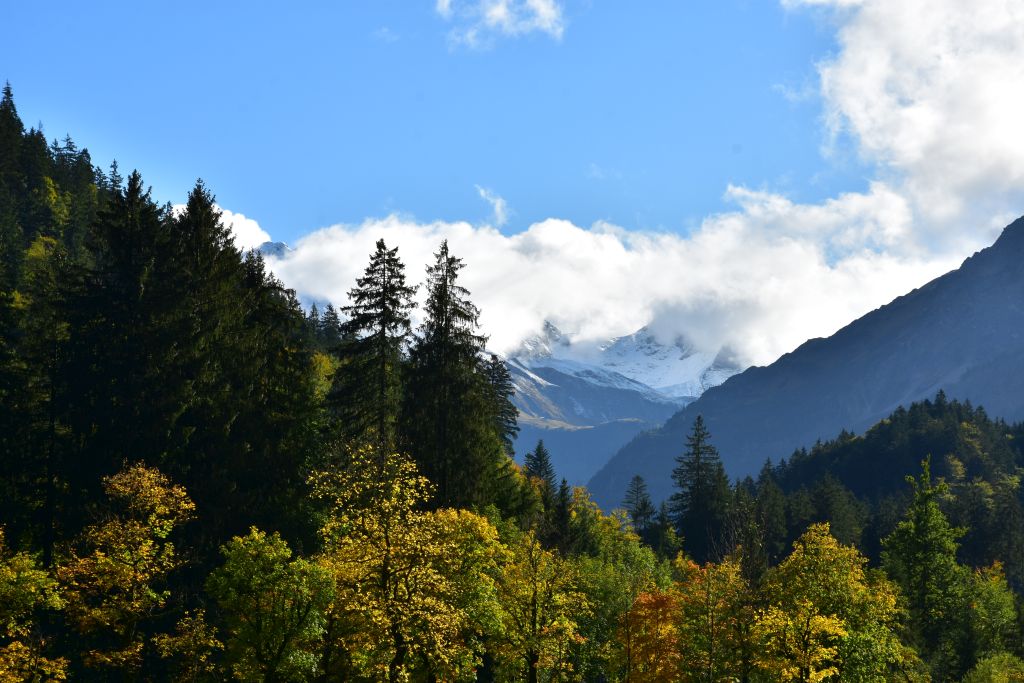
point(640, 113)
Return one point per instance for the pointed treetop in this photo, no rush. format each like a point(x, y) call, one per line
point(537, 465)
point(7, 102)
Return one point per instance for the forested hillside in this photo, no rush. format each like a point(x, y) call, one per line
point(201, 481)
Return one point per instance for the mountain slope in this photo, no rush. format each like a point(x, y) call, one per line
point(584, 414)
point(962, 332)
point(587, 400)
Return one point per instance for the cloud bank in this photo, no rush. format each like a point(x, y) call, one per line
point(739, 281)
point(929, 93)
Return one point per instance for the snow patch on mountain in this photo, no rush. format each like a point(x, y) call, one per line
point(638, 362)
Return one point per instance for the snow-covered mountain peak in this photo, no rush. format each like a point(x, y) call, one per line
point(277, 250)
point(550, 343)
point(674, 369)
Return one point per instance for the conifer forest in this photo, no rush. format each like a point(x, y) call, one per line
point(205, 480)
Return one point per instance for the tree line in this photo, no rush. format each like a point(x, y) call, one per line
point(201, 480)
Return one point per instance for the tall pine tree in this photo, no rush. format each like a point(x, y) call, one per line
point(367, 394)
point(638, 505)
point(448, 416)
point(537, 465)
point(699, 506)
point(501, 392)
point(920, 557)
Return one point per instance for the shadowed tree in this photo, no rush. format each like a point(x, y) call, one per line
point(699, 506)
point(448, 419)
point(368, 389)
point(638, 505)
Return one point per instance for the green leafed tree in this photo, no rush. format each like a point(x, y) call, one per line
point(537, 465)
point(273, 606)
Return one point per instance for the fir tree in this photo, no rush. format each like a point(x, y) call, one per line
point(313, 320)
point(126, 388)
point(537, 465)
point(504, 411)
point(638, 505)
point(367, 393)
point(920, 557)
point(329, 332)
point(449, 423)
point(700, 504)
point(11, 190)
point(560, 535)
point(11, 132)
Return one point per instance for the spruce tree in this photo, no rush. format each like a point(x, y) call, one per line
point(560, 535)
point(501, 392)
point(11, 132)
point(448, 421)
point(126, 388)
point(699, 506)
point(638, 505)
point(313, 321)
point(537, 465)
point(367, 392)
point(920, 557)
point(329, 332)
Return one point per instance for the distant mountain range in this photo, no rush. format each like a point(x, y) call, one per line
point(962, 333)
point(587, 400)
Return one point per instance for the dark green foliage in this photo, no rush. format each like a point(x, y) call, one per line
point(128, 333)
point(873, 465)
point(329, 332)
point(448, 421)
point(638, 506)
point(954, 617)
point(920, 556)
point(501, 392)
point(367, 394)
point(537, 465)
point(699, 506)
point(854, 481)
point(771, 514)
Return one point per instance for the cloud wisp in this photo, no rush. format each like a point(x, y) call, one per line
point(499, 206)
point(476, 23)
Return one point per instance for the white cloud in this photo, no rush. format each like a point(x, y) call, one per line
point(931, 93)
point(498, 205)
point(247, 232)
point(477, 22)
